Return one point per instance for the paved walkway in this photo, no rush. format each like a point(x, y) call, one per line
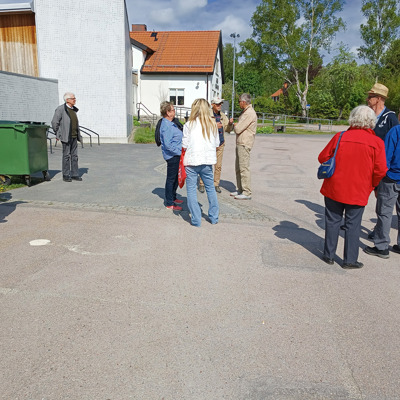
point(105, 294)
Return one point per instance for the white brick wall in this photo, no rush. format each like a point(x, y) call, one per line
point(85, 46)
point(25, 98)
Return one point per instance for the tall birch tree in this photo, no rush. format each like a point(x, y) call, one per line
point(288, 36)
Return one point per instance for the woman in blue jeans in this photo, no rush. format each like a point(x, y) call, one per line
point(171, 147)
point(200, 139)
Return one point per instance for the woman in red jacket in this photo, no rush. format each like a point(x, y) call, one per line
point(360, 165)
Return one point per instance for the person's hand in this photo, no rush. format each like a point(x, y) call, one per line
point(231, 121)
point(219, 125)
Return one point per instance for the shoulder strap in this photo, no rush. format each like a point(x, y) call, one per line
point(337, 144)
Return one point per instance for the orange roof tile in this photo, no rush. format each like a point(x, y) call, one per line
point(180, 51)
point(277, 93)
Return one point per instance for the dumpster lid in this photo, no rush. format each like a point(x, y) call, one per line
point(22, 122)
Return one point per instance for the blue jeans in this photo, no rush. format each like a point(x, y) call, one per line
point(206, 174)
point(171, 183)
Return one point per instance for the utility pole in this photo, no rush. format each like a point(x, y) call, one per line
point(234, 36)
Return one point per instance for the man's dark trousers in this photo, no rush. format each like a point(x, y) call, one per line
point(70, 158)
point(333, 219)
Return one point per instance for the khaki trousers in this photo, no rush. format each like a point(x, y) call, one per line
point(242, 167)
point(217, 166)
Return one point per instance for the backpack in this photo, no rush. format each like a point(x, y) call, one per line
point(157, 136)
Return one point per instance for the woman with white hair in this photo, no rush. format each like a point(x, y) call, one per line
point(360, 166)
point(200, 139)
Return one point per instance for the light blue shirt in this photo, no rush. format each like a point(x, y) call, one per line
point(171, 139)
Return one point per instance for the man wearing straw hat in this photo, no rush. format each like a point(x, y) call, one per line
point(385, 119)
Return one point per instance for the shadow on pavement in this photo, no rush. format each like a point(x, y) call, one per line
point(229, 186)
point(7, 207)
point(307, 239)
point(317, 209)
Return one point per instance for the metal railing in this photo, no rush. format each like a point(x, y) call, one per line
point(284, 120)
point(182, 112)
point(82, 129)
point(141, 107)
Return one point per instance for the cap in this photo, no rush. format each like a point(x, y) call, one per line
point(217, 100)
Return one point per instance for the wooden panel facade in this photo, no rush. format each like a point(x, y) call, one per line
point(18, 46)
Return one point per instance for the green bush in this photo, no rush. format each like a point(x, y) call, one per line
point(265, 129)
point(136, 122)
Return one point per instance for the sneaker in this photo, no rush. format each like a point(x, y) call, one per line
point(242, 197)
point(396, 248)
point(373, 251)
point(355, 265)
point(201, 188)
point(76, 178)
point(233, 194)
point(174, 208)
point(67, 178)
point(177, 201)
point(217, 189)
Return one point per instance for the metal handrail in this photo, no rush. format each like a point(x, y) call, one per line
point(49, 130)
point(141, 106)
point(87, 129)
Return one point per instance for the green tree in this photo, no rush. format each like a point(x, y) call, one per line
point(382, 27)
point(287, 37)
point(228, 61)
point(341, 86)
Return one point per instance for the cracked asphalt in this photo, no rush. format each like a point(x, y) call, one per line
point(105, 294)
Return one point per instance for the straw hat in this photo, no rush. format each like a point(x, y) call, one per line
point(379, 90)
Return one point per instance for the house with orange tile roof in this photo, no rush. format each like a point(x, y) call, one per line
point(178, 66)
point(282, 91)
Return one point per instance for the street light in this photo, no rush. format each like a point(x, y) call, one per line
point(234, 36)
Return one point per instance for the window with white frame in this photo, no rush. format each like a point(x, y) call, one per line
point(177, 96)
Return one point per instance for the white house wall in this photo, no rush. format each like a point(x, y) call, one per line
point(85, 45)
point(216, 82)
point(155, 88)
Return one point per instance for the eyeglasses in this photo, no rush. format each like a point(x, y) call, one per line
point(218, 104)
point(71, 98)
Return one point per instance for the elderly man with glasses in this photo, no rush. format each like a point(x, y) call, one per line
point(385, 119)
point(66, 127)
point(245, 130)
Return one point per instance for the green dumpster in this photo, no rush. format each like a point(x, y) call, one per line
point(23, 150)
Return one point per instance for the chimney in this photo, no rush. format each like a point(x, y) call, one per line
point(139, 27)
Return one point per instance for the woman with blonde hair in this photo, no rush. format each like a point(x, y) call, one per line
point(200, 139)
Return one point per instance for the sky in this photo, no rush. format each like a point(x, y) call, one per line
point(229, 16)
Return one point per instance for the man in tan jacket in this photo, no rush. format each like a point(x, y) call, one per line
point(245, 130)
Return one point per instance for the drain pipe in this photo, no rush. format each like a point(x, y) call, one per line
point(207, 86)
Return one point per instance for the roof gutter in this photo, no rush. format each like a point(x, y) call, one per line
point(17, 8)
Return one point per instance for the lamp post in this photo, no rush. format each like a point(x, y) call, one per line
point(234, 36)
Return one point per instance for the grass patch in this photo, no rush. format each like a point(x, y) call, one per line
point(265, 130)
point(19, 182)
point(144, 135)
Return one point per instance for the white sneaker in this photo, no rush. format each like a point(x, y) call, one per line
point(235, 194)
point(242, 197)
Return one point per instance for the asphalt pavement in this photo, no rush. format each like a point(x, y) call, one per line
point(105, 294)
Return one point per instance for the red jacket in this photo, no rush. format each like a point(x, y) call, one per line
point(360, 166)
